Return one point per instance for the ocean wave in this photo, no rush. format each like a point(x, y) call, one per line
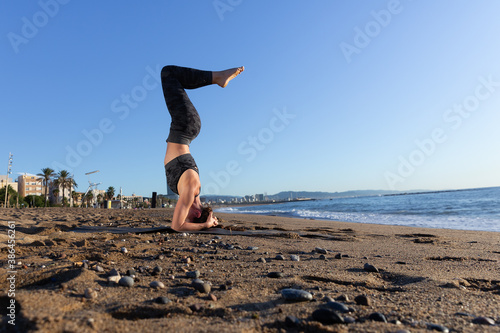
point(444, 221)
point(463, 210)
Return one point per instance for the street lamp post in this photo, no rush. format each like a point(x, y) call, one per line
point(9, 171)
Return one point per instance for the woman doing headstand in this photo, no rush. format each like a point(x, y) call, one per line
point(180, 168)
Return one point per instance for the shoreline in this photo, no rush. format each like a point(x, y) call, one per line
point(421, 276)
point(367, 223)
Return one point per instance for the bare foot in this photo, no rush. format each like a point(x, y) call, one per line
point(222, 78)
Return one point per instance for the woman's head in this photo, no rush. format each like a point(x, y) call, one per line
point(205, 213)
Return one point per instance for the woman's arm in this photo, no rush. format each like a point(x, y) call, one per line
point(182, 209)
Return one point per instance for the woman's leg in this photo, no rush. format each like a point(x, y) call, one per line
point(186, 124)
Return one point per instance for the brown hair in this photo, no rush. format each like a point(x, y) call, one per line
point(205, 213)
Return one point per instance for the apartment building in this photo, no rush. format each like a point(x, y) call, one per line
point(4, 180)
point(30, 185)
point(57, 196)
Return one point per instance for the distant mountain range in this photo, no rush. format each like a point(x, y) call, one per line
point(285, 195)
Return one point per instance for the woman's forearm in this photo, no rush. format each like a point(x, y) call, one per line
point(188, 226)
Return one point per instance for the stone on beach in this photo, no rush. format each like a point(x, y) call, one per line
point(157, 285)
point(162, 300)
point(320, 250)
point(157, 270)
point(275, 275)
point(327, 317)
point(370, 268)
point(201, 286)
point(483, 321)
point(362, 300)
point(114, 278)
point(126, 281)
point(90, 293)
point(338, 307)
point(377, 316)
point(193, 274)
point(437, 327)
point(296, 295)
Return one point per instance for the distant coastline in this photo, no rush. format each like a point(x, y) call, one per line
point(259, 203)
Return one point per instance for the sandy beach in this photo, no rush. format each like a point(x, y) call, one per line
point(255, 274)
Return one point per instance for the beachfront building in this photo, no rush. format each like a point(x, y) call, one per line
point(56, 194)
point(4, 180)
point(132, 201)
point(30, 185)
point(77, 198)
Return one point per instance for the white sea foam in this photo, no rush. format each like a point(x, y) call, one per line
point(463, 210)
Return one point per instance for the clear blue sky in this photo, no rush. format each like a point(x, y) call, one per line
point(336, 95)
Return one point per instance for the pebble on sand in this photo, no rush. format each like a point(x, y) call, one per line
point(338, 307)
point(162, 300)
point(362, 300)
point(114, 278)
point(157, 285)
point(275, 275)
point(296, 295)
point(320, 250)
point(343, 298)
point(377, 316)
point(126, 281)
point(436, 327)
point(90, 293)
point(370, 268)
point(483, 321)
point(327, 316)
point(292, 321)
point(157, 270)
point(295, 257)
point(193, 274)
point(201, 286)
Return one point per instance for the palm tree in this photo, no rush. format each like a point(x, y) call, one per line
point(75, 195)
point(47, 174)
point(65, 180)
point(110, 192)
point(89, 197)
point(55, 193)
point(99, 199)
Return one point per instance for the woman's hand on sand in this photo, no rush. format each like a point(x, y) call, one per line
point(211, 221)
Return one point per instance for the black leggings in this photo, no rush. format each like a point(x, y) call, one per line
point(186, 123)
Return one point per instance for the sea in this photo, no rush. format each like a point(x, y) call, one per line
point(471, 209)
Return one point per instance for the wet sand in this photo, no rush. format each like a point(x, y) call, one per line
point(419, 279)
